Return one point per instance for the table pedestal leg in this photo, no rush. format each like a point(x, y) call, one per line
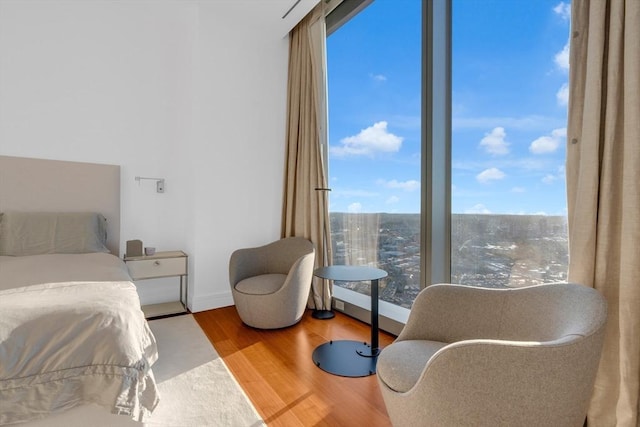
point(373, 350)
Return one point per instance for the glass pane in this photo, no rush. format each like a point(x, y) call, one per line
point(510, 72)
point(374, 72)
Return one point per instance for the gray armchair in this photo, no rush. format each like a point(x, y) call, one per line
point(495, 357)
point(270, 284)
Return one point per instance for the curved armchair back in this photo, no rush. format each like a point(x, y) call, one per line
point(451, 313)
point(551, 312)
point(270, 284)
point(276, 257)
point(282, 254)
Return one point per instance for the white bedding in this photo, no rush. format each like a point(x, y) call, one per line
point(69, 343)
point(51, 268)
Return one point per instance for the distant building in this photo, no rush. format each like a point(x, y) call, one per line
point(487, 250)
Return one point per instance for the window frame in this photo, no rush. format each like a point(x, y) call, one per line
point(435, 170)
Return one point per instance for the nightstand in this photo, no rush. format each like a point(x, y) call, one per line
point(162, 264)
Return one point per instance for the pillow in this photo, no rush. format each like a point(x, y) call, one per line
point(34, 233)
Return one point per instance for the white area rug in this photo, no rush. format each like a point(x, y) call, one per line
point(196, 387)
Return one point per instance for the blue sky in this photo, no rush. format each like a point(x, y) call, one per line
point(510, 70)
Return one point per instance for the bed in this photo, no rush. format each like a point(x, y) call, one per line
point(72, 333)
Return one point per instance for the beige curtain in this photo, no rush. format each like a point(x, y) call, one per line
point(603, 188)
point(305, 211)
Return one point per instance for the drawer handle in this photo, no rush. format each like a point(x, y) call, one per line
point(156, 263)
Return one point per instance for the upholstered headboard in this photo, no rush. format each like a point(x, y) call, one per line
point(58, 186)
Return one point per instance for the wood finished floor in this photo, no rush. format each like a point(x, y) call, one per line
point(276, 371)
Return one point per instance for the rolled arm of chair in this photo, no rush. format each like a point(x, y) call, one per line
point(301, 272)
point(502, 380)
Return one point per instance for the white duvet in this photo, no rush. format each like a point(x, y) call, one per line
point(71, 343)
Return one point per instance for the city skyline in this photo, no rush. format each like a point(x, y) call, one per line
point(510, 71)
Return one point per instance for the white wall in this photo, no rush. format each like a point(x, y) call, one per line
point(194, 92)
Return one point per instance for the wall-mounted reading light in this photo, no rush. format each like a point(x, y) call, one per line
point(159, 182)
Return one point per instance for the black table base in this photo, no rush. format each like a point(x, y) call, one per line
point(346, 358)
point(323, 314)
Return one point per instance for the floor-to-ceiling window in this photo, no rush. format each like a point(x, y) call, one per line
point(509, 106)
point(446, 143)
point(374, 80)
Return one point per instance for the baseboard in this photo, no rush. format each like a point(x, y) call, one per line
point(211, 301)
point(364, 315)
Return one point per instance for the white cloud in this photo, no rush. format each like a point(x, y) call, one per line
point(478, 209)
point(548, 143)
point(368, 142)
point(410, 185)
point(392, 200)
point(562, 58)
point(529, 123)
point(551, 178)
point(563, 95)
point(491, 174)
point(494, 142)
point(563, 10)
point(528, 163)
point(352, 193)
point(378, 77)
point(354, 208)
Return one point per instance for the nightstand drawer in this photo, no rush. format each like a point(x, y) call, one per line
point(162, 267)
